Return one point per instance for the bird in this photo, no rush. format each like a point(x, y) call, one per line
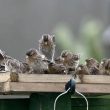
point(2, 66)
point(81, 70)
point(105, 66)
point(12, 65)
point(47, 46)
point(36, 61)
point(70, 59)
point(54, 68)
point(93, 66)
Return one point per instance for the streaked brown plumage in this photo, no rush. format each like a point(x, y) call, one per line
point(12, 64)
point(36, 61)
point(47, 46)
point(57, 68)
point(91, 62)
point(71, 60)
point(81, 71)
point(93, 66)
point(105, 66)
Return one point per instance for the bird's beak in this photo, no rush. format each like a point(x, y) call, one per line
point(43, 56)
point(27, 57)
point(45, 43)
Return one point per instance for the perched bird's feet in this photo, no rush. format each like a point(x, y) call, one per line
point(14, 77)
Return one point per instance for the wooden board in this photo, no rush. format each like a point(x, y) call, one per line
point(43, 78)
point(53, 83)
point(58, 87)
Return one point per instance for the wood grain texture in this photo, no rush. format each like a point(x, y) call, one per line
point(93, 88)
point(53, 83)
point(43, 78)
point(37, 87)
point(58, 87)
point(96, 79)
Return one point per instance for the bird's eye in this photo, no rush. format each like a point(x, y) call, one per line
point(76, 57)
point(64, 54)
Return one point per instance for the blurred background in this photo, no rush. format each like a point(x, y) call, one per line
point(81, 26)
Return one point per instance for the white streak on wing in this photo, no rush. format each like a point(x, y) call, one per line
point(6, 68)
point(43, 56)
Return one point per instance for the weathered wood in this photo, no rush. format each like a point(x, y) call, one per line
point(93, 88)
point(43, 78)
point(53, 83)
point(94, 79)
point(58, 87)
point(103, 79)
point(37, 87)
point(4, 77)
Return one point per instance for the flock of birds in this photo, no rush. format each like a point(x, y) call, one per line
point(42, 61)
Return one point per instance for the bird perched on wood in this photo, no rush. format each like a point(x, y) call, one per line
point(12, 65)
point(15, 65)
point(22, 68)
point(105, 66)
point(47, 46)
point(71, 60)
point(2, 65)
point(81, 70)
point(59, 60)
point(57, 68)
point(37, 62)
point(93, 66)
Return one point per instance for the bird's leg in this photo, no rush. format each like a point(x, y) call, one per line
point(14, 77)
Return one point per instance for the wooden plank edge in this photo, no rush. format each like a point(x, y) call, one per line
point(87, 79)
point(58, 87)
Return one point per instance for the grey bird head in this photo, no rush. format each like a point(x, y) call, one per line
point(64, 53)
point(47, 39)
point(76, 57)
point(90, 62)
point(32, 53)
point(69, 55)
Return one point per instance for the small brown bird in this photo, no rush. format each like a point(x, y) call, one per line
point(57, 68)
point(105, 66)
point(36, 61)
point(47, 46)
point(82, 70)
point(24, 68)
point(2, 65)
point(71, 60)
point(12, 65)
point(91, 62)
point(93, 66)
